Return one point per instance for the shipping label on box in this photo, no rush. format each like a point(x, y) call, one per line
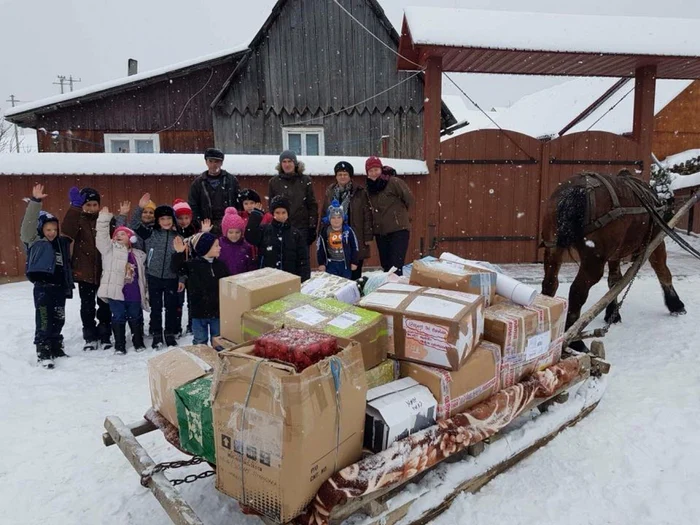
point(325, 285)
point(280, 434)
point(455, 276)
point(397, 410)
point(246, 291)
point(324, 315)
point(432, 326)
point(455, 391)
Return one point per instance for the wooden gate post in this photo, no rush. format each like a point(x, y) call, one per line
point(432, 106)
point(643, 126)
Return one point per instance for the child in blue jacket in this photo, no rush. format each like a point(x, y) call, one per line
point(49, 268)
point(337, 249)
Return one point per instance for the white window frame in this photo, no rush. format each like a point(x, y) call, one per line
point(306, 130)
point(132, 138)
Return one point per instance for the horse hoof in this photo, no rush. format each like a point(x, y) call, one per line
point(613, 319)
point(680, 312)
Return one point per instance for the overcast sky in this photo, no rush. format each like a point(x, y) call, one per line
point(92, 39)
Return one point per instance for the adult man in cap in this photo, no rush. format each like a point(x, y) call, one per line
point(213, 191)
point(291, 183)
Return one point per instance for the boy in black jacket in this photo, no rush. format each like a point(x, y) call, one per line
point(279, 244)
point(202, 273)
point(49, 268)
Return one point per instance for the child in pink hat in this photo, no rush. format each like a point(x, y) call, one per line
point(236, 252)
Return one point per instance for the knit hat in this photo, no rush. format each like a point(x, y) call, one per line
point(288, 154)
point(181, 208)
point(163, 211)
point(128, 231)
point(249, 195)
point(335, 210)
point(201, 243)
point(151, 205)
point(344, 166)
point(372, 162)
point(279, 202)
point(44, 218)
point(90, 194)
point(214, 153)
point(232, 221)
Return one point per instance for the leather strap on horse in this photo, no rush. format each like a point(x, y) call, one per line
point(595, 181)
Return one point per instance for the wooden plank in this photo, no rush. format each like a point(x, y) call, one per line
point(137, 429)
point(177, 508)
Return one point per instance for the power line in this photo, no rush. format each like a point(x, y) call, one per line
point(63, 80)
point(12, 100)
point(211, 75)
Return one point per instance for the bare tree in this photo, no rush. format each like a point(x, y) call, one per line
point(7, 138)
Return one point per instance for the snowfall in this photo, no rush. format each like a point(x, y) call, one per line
point(634, 460)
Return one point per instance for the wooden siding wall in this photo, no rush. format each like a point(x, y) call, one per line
point(677, 126)
point(681, 197)
point(89, 141)
point(113, 188)
point(351, 133)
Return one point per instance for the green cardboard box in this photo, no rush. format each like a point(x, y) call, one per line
point(194, 417)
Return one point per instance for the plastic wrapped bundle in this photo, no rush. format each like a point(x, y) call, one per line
point(375, 279)
point(297, 347)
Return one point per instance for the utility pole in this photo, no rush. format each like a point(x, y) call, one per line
point(12, 100)
point(61, 82)
point(71, 80)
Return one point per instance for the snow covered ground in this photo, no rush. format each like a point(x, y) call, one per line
point(633, 461)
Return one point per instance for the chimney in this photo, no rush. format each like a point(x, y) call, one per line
point(133, 66)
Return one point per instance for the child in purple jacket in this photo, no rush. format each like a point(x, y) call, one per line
point(236, 252)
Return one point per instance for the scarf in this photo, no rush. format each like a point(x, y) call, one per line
point(376, 186)
point(342, 195)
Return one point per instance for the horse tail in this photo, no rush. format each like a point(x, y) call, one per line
point(571, 213)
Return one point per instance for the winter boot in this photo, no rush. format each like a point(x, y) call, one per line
point(90, 345)
point(43, 356)
point(106, 342)
point(157, 341)
point(57, 349)
point(119, 330)
point(170, 340)
point(136, 328)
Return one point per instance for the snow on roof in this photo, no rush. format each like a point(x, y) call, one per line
point(553, 32)
point(177, 164)
point(123, 81)
point(546, 112)
point(680, 182)
point(680, 158)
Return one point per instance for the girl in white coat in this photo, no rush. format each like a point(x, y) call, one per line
point(123, 282)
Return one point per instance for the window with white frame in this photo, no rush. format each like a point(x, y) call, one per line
point(304, 141)
point(132, 143)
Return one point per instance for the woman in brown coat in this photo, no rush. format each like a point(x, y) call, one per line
point(390, 199)
point(355, 203)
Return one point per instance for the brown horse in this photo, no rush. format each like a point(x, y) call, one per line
point(600, 218)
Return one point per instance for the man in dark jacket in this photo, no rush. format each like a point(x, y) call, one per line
point(279, 244)
point(299, 191)
point(213, 191)
point(80, 224)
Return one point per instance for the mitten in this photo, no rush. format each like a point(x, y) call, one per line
point(76, 199)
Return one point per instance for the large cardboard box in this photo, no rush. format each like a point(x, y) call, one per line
point(551, 314)
point(193, 404)
point(476, 381)
point(324, 285)
point(397, 410)
point(515, 370)
point(280, 434)
point(174, 368)
point(382, 374)
point(449, 275)
point(430, 326)
point(323, 315)
point(243, 292)
point(511, 326)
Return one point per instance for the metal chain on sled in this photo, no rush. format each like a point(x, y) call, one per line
point(191, 478)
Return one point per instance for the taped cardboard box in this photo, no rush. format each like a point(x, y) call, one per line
point(476, 381)
point(382, 374)
point(449, 275)
point(194, 415)
point(323, 315)
point(397, 410)
point(280, 434)
point(174, 368)
point(551, 314)
point(245, 291)
point(325, 285)
point(430, 326)
point(514, 371)
point(510, 326)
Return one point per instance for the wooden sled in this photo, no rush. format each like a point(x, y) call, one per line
point(429, 497)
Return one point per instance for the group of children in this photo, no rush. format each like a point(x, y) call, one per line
point(155, 259)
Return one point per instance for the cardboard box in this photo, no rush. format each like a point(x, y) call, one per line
point(280, 434)
point(551, 314)
point(514, 371)
point(193, 404)
point(395, 411)
point(323, 315)
point(243, 292)
point(172, 369)
point(476, 381)
point(430, 326)
point(510, 326)
point(382, 374)
point(448, 275)
point(325, 285)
